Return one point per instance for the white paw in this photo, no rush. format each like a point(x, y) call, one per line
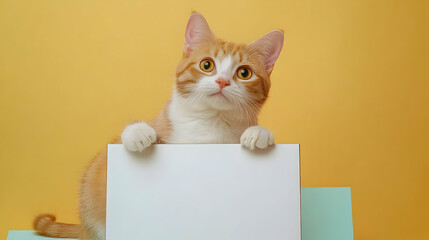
point(138, 136)
point(256, 136)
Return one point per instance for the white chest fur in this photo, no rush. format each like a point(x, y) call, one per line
point(193, 124)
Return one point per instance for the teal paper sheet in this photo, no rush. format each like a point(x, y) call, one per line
point(326, 215)
point(27, 235)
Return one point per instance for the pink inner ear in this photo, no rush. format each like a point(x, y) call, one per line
point(270, 45)
point(276, 40)
point(197, 31)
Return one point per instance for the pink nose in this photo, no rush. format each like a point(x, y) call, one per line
point(223, 82)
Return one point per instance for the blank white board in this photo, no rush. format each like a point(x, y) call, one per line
point(203, 192)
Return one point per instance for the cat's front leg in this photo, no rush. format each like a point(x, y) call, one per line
point(257, 136)
point(138, 136)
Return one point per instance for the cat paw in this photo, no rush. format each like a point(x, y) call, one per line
point(257, 136)
point(138, 136)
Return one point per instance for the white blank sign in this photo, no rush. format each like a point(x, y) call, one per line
point(203, 192)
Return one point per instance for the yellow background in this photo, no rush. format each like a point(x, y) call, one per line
point(351, 86)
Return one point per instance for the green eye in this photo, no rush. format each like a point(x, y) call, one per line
point(207, 65)
point(244, 73)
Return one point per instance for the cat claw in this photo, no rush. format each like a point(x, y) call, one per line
point(257, 137)
point(138, 136)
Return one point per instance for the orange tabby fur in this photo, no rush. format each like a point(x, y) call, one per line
point(93, 184)
point(93, 193)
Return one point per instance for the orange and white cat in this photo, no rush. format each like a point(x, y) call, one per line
point(220, 88)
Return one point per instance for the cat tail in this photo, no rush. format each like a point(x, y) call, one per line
point(45, 225)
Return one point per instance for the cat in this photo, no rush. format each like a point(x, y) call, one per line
point(219, 90)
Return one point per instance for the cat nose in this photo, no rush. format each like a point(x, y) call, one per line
point(223, 82)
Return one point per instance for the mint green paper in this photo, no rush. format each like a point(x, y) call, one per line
point(28, 235)
point(326, 215)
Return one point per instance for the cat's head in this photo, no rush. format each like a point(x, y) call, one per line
point(224, 75)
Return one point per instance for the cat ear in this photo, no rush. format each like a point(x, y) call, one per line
point(197, 32)
point(270, 46)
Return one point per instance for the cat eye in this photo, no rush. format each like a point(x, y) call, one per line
point(207, 65)
point(244, 73)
